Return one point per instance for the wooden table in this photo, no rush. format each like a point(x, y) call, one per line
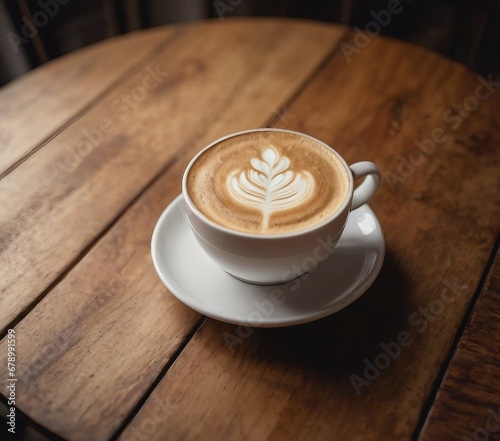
point(93, 146)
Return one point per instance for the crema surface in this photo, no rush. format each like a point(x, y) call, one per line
point(268, 182)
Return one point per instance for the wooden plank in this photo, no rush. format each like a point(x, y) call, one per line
point(467, 406)
point(440, 224)
point(116, 325)
point(34, 107)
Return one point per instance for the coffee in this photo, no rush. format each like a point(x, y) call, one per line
point(268, 182)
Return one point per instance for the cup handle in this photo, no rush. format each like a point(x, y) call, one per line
point(370, 184)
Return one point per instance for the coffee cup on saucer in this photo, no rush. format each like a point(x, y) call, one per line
point(268, 205)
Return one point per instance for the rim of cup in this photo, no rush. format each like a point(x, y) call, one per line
point(234, 232)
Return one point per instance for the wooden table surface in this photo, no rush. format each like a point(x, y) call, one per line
point(93, 146)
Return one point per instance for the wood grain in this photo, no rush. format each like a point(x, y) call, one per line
point(468, 401)
point(64, 196)
point(36, 106)
point(439, 216)
point(97, 341)
point(76, 379)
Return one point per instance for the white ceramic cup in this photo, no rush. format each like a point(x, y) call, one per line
point(278, 258)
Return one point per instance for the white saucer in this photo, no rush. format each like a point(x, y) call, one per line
point(199, 283)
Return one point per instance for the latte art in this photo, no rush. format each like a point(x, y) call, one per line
point(269, 186)
point(268, 182)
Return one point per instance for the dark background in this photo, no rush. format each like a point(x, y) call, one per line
point(465, 30)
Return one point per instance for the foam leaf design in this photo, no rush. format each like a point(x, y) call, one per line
point(269, 186)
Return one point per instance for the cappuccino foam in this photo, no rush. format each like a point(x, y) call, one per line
point(268, 182)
